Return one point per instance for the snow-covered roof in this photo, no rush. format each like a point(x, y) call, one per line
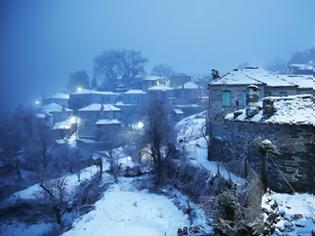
point(235, 77)
point(178, 111)
point(135, 91)
point(153, 77)
point(252, 75)
point(302, 66)
point(302, 81)
point(59, 96)
point(189, 85)
point(122, 104)
point(40, 116)
point(90, 91)
point(108, 122)
point(53, 107)
point(100, 107)
point(298, 109)
point(160, 87)
point(66, 124)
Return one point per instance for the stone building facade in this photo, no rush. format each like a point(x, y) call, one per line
point(288, 123)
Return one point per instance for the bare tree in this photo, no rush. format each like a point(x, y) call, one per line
point(74, 159)
point(114, 64)
point(78, 79)
point(11, 142)
point(44, 143)
point(56, 193)
point(131, 66)
point(159, 134)
point(162, 70)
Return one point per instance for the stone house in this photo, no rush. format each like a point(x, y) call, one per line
point(160, 92)
point(131, 104)
point(288, 123)
point(91, 114)
point(57, 112)
point(151, 81)
point(86, 97)
point(301, 69)
point(305, 83)
point(107, 131)
point(64, 128)
point(228, 93)
point(61, 99)
point(187, 93)
point(133, 96)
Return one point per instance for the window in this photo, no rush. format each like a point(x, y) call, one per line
point(243, 99)
point(226, 98)
point(283, 94)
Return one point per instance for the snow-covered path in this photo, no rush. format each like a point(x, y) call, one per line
point(190, 132)
point(197, 151)
point(125, 211)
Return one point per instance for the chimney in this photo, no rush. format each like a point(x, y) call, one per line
point(252, 99)
point(252, 94)
point(268, 107)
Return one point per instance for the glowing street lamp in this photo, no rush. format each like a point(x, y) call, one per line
point(37, 102)
point(79, 89)
point(139, 125)
point(73, 120)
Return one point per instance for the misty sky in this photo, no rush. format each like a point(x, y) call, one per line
point(43, 41)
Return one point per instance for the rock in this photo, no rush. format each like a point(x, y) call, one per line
point(289, 226)
point(281, 213)
point(297, 216)
point(300, 224)
point(274, 205)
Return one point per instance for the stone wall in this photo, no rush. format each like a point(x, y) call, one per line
point(295, 143)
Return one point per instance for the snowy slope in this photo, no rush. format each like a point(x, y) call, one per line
point(31, 192)
point(125, 211)
point(195, 145)
point(190, 127)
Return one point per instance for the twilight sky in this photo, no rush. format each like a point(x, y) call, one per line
point(43, 41)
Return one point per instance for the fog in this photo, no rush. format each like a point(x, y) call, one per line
point(42, 42)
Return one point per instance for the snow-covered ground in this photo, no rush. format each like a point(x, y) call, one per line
point(123, 210)
point(31, 192)
point(190, 133)
point(297, 212)
point(197, 151)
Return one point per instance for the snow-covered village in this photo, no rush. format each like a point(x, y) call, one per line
point(168, 118)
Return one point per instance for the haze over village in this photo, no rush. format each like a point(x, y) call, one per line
point(157, 118)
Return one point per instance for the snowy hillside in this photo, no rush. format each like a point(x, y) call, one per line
point(189, 131)
point(125, 211)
